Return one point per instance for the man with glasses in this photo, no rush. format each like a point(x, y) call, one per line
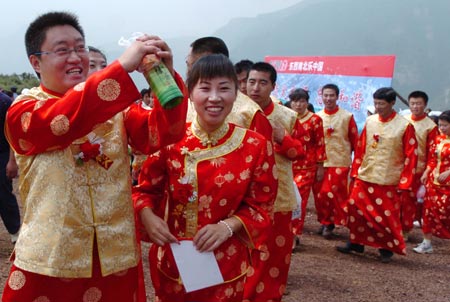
point(77, 241)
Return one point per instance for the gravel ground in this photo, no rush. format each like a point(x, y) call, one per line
point(319, 273)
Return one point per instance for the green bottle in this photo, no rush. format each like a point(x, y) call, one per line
point(162, 82)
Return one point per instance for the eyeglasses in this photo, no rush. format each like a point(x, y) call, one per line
point(65, 52)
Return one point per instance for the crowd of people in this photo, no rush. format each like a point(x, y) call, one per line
point(103, 167)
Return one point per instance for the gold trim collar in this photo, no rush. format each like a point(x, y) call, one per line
point(209, 139)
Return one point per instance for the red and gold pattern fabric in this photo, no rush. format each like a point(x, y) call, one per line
point(290, 149)
point(426, 132)
point(205, 185)
point(373, 217)
point(304, 179)
point(279, 243)
point(341, 135)
point(330, 194)
point(387, 147)
point(48, 130)
point(305, 169)
point(313, 141)
point(25, 286)
point(436, 215)
point(386, 153)
point(267, 277)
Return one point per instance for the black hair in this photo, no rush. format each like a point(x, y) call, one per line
point(331, 86)
point(385, 93)
point(266, 67)
point(211, 66)
point(445, 116)
point(212, 45)
point(37, 30)
point(95, 49)
point(145, 91)
point(299, 93)
point(419, 94)
point(243, 65)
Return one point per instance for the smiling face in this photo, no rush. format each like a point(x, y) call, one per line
point(213, 100)
point(60, 73)
point(329, 98)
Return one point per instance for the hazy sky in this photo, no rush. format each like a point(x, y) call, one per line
point(103, 19)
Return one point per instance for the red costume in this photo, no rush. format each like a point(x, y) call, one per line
point(230, 172)
point(72, 151)
point(385, 161)
point(305, 169)
point(436, 218)
point(270, 264)
point(426, 132)
point(330, 195)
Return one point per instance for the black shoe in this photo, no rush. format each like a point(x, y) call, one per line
point(349, 247)
point(327, 232)
point(385, 255)
point(320, 230)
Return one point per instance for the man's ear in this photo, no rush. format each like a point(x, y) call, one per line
point(35, 63)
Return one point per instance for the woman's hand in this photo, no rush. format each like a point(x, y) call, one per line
point(424, 177)
point(211, 236)
point(157, 229)
point(443, 177)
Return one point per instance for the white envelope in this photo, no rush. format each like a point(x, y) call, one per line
point(197, 270)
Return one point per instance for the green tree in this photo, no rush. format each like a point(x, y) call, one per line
point(24, 80)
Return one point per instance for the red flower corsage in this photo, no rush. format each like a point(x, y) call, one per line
point(330, 130)
point(92, 149)
point(89, 151)
point(376, 138)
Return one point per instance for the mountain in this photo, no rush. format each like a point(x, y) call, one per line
point(415, 31)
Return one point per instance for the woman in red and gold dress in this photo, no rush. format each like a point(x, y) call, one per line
point(436, 218)
point(309, 169)
point(221, 182)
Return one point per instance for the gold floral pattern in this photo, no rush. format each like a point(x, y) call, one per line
point(25, 121)
point(108, 90)
point(39, 104)
point(51, 170)
point(16, 280)
point(93, 294)
point(42, 299)
point(222, 158)
point(60, 125)
point(25, 145)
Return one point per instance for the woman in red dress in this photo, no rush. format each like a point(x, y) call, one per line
point(221, 183)
point(436, 219)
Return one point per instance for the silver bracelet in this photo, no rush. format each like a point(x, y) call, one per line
point(230, 230)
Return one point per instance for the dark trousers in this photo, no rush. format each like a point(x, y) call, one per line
point(9, 209)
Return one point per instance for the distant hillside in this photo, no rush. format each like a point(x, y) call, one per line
point(416, 31)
